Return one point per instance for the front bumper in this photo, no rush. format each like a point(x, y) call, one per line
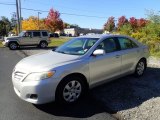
point(43, 91)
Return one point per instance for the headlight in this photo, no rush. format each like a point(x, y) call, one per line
point(39, 76)
point(6, 40)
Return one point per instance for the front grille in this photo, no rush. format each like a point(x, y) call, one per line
point(19, 75)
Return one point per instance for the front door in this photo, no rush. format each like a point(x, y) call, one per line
point(26, 38)
point(105, 66)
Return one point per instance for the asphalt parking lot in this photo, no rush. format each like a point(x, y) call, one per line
point(126, 98)
point(13, 108)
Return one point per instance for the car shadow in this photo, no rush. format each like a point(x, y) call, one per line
point(84, 108)
point(122, 94)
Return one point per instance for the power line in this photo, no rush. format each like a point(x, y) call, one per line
point(71, 14)
point(65, 13)
point(73, 9)
point(34, 10)
point(7, 3)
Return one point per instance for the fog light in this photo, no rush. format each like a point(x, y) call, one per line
point(33, 96)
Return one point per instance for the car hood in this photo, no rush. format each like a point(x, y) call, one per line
point(44, 61)
point(12, 37)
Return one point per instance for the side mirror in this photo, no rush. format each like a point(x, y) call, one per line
point(98, 52)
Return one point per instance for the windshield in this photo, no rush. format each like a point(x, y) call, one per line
point(77, 46)
point(21, 34)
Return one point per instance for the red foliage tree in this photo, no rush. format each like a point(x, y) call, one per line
point(122, 21)
point(110, 24)
point(133, 23)
point(142, 22)
point(53, 21)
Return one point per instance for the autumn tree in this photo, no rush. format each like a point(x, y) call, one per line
point(142, 22)
point(33, 23)
point(53, 21)
point(133, 23)
point(122, 21)
point(110, 24)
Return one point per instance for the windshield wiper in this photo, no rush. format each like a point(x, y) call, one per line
point(61, 52)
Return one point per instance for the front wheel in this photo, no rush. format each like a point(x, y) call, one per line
point(13, 46)
point(70, 90)
point(140, 68)
point(43, 44)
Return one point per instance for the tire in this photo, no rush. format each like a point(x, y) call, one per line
point(43, 44)
point(13, 46)
point(140, 68)
point(70, 90)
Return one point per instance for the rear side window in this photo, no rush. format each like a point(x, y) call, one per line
point(44, 34)
point(36, 34)
point(126, 43)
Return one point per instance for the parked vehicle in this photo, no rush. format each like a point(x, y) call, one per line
point(1, 38)
point(54, 35)
point(38, 38)
point(63, 34)
point(84, 62)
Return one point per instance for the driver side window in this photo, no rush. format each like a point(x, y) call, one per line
point(28, 34)
point(108, 45)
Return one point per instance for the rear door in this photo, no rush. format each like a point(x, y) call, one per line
point(45, 36)
point(129, 52)
point(36, 37)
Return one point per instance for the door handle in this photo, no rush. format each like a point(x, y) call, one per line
point(117, 56)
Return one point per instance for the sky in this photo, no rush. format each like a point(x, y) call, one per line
point(85, 13)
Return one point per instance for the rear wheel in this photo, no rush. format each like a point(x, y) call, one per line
point(70, 90)
point(140, 68)
point(43, 44)
point(13, 46)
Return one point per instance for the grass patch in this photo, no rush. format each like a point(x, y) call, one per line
point(59, 41)
point(1, 45)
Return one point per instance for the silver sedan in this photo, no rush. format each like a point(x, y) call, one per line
point(84, 62)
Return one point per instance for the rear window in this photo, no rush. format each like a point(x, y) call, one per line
point(44, 34)
point(36, 34)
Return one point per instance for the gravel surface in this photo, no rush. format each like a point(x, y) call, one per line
point(129, 98)
point(133, 98)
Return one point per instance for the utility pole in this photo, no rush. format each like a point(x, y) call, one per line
point(18, 22)
point(38, 20)
point(20, 15)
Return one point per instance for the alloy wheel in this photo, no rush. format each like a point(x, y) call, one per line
point(13, 46)
point(140, 68)
point(43, 45)
point(72, 91)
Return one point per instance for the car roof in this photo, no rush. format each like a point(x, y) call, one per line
point(102, 36)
